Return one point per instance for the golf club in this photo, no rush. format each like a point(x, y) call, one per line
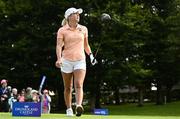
point(104, 18)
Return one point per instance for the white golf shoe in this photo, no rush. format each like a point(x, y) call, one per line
point(69, 112)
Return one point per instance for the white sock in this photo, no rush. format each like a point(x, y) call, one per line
point(78, 105)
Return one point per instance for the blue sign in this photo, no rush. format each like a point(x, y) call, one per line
point(26, 109)
point(101, 111)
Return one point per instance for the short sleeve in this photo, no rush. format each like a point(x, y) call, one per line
point(86, 32)
point(60, 33)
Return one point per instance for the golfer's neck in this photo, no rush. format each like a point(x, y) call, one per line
point(73, 24)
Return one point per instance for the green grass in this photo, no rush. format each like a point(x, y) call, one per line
point(149, 109)
point(126, 111)
point(62, 116)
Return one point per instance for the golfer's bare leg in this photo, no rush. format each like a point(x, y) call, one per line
point(79, 76)
point(68, 84)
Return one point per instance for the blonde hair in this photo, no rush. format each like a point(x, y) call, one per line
point(64, 22)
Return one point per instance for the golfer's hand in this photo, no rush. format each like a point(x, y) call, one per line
point(92, 59)
point(58, 63)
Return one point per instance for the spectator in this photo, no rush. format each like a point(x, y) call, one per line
point(35, 96)
point(9, 88)
point(13, 98)
point(28, 97)
point(4, 96)
point(21, 97)
point(45, 102)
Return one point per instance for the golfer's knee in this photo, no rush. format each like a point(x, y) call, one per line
point(68, 89)
point(78, 86)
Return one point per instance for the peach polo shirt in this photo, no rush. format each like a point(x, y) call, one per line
point(73, 42)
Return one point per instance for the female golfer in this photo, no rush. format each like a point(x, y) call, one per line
point(72, 41)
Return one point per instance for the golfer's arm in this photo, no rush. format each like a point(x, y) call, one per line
point(59, 46)
point(86, 46)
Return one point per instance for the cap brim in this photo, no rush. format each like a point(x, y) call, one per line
point(79, 10)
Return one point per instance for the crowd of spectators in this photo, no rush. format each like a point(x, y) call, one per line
point(10, 95)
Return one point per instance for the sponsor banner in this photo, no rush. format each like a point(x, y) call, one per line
point(101, 111)
point(26, 109)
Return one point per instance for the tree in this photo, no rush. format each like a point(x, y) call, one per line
point(161, 45)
